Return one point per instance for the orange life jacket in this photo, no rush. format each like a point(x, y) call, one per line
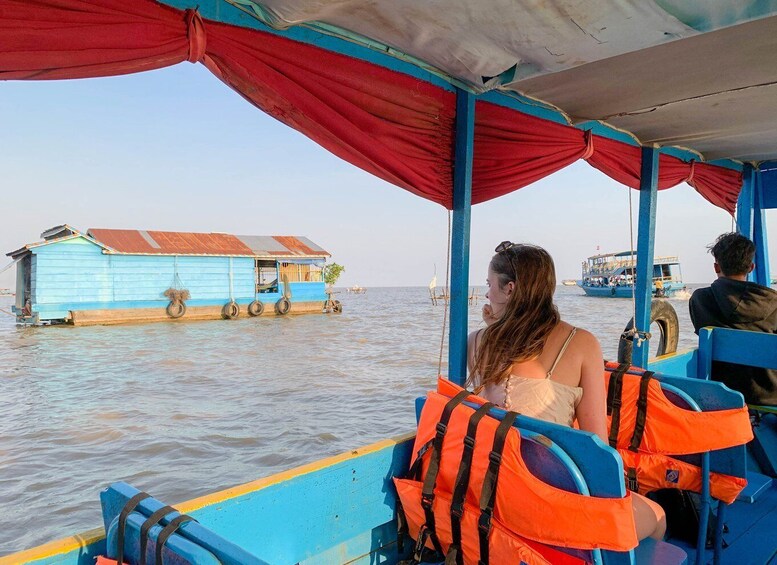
point(468, 511)
point(647, 428)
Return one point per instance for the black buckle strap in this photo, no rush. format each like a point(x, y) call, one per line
point(415, 469)
point(642, 405)
point(168, 531)
point(614, 398)
point(146, 526)
point(488, 493)
point(462, 482)
point(631, 479)
point(131, 504)
point(430, 480)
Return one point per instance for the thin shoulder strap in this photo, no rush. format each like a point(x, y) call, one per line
point(560, 353)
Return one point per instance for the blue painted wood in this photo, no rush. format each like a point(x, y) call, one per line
point(768, 174)
point(77, 275)
point(648, 195)
point(745, 202)
point(681, 364)
point(195, 544)
point(757, 484)
point(761, 274)
point(462, 207)
point(756, 349)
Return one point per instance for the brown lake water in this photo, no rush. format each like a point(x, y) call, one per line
point(184, 409)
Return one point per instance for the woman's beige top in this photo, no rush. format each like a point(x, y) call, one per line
point(545, 398)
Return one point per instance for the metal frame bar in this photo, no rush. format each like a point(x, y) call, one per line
point(648, 196)
point(745, 202)
point(462, 213)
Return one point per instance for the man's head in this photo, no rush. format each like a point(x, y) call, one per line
point(733, 254)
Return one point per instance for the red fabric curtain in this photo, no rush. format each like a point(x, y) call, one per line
point(65, 39)
point(513, 150)
point(392, 125)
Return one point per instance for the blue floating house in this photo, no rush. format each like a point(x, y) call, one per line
point(114, 276)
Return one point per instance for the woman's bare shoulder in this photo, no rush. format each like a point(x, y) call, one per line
point(586, 341)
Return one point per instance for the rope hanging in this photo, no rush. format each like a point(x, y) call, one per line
point(633, 334)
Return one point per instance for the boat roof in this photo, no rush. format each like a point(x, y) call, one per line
point(570, 80)
point(654, 69)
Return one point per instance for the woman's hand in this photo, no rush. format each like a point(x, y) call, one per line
point(488, 315)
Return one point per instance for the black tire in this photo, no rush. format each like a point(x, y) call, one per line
point(230, 311)
point(338, 307)
point(283, 306)
point(663, 314)
point(255, 308)
point(176, 309)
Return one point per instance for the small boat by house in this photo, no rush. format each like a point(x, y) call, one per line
point(356, 289)
point(106, 276)
point(611, 275)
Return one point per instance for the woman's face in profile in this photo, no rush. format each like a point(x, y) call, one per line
point(498, 297)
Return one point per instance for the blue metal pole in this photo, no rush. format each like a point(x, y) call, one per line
point(762, 275)
point(462, 207)
point(648, 195)
point(745, 202)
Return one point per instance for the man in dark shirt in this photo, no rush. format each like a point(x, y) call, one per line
point(733, 302)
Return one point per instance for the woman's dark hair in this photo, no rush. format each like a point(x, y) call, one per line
point(529, 315)
point(734, 253)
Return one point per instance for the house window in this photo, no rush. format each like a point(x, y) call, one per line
point(266, 275)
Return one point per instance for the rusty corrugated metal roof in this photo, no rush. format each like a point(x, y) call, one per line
point(188, 243)
point(282, 246)
point(171, 243)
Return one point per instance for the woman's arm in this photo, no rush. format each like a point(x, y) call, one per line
point(592, 411)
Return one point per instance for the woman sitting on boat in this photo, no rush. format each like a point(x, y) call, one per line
point(530, 361)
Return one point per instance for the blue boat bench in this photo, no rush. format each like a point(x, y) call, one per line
point(752, 516)
point(580, 462)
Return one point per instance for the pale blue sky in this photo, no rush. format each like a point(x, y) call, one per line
point(177, 150)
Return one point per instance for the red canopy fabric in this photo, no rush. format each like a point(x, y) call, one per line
point(390, 124)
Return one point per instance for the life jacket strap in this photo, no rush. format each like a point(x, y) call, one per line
point(168, 531)
point(631, 479)
point(614, 395)
point(488, 492)
point(430, 480)
point(462, 483)
point(642, 405)
point(132, 503)
point(146, 526)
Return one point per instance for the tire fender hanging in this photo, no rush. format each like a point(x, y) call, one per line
point(283, 306)
point(255, 308)
point(337, 308)
point(231, 310)
point(176, 309)
point(663, 314)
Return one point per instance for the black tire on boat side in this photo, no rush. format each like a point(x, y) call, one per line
point(338, 307)
point(230, 311)
point(255, 308)
point(663, 314)
point(176, 309)
point(283, 306)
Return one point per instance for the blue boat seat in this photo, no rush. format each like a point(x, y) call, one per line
point(191, 543)
point(580, 462)
point(755, 349)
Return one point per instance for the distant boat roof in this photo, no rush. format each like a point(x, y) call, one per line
point(144, 242)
